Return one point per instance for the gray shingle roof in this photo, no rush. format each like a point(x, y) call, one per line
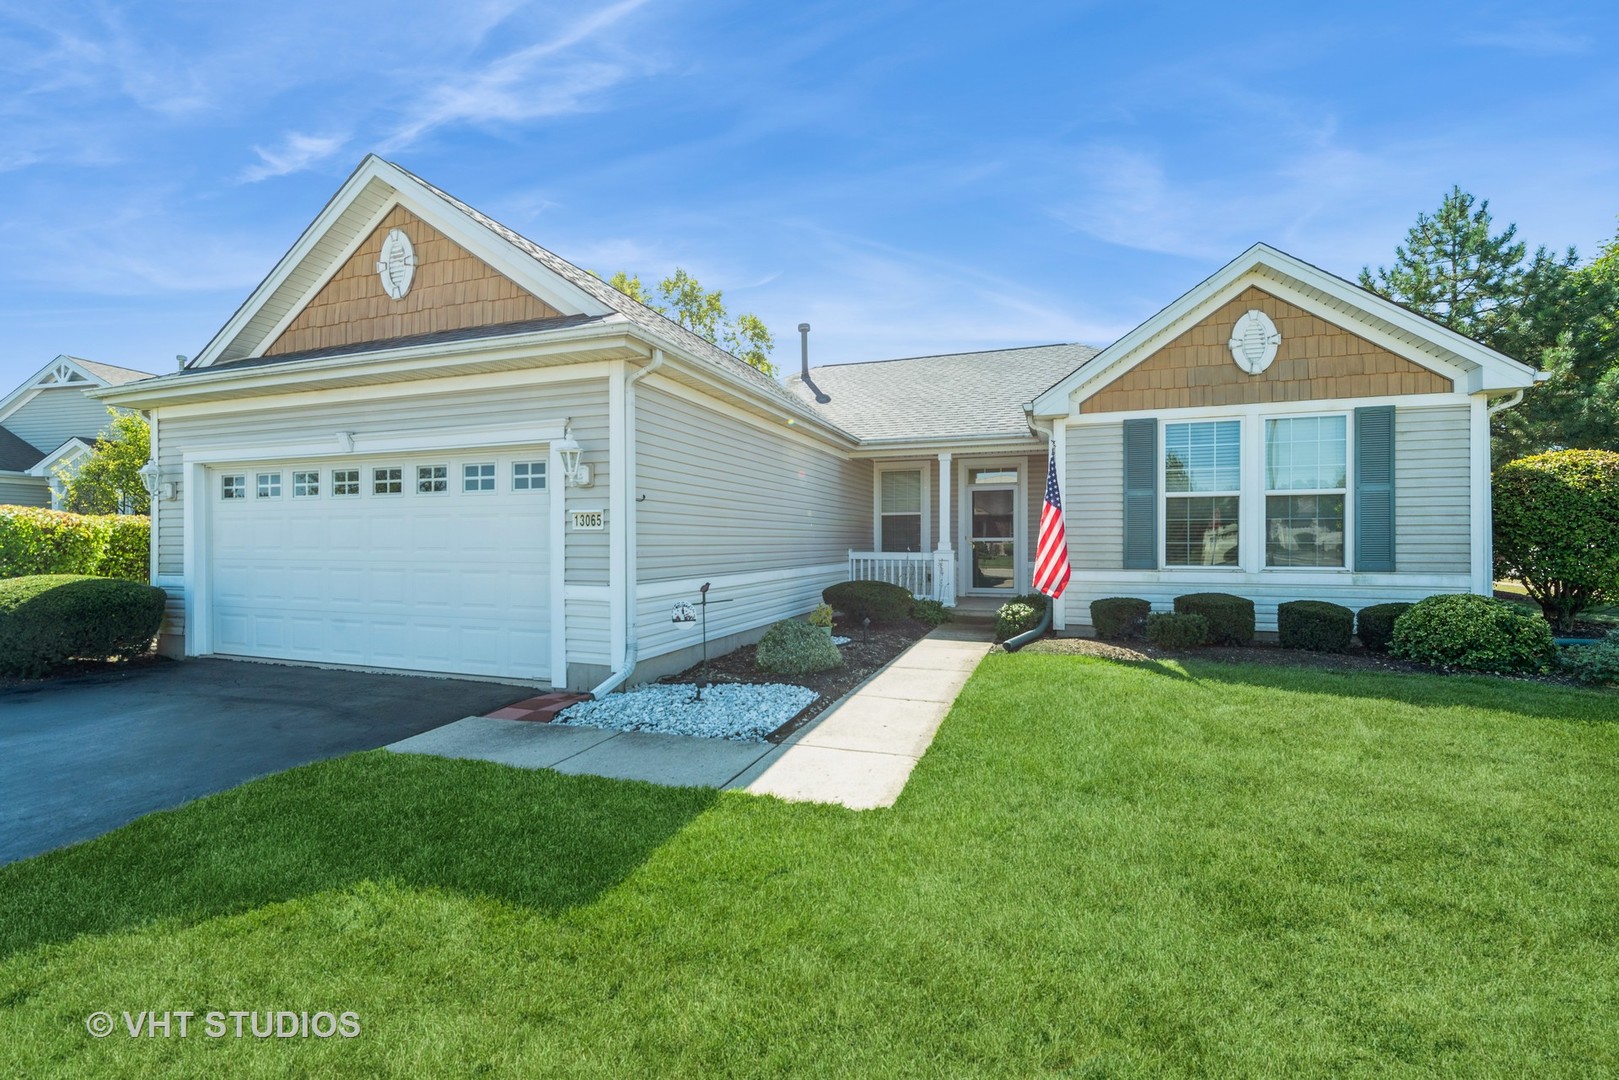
point(15, 454)
point(435, 337)
point(111, 374)
point(931, 397)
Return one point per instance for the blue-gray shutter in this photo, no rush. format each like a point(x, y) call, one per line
point(1374, 488)
point(1141, 494)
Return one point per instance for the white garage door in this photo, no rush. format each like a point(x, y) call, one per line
point(425, 562)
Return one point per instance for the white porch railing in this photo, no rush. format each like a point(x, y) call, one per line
point(929, 575)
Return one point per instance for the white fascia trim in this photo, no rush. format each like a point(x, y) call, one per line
point(371, 443)
point(74, 447)
point(1277, 270)
point(1273, 576)
point(1303, 407)
point(30, 386)
point(970, 444)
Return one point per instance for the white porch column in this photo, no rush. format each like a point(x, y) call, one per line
point(944, 556)
point(944, 503)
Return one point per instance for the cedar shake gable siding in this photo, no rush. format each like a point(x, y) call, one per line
point(453, 289)
point(1316, 361)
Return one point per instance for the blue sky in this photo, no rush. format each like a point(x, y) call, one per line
point(908, 177)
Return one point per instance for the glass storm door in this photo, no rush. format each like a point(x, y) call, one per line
point(992, 541)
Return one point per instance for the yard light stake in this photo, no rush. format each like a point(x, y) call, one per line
point(702, 603)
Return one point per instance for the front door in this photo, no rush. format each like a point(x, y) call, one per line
point(991, 543)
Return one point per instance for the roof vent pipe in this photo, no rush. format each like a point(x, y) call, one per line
point(803, 364)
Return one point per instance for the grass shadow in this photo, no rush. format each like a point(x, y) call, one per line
point(530, 838)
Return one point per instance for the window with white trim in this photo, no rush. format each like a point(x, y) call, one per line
point(1202, 493)
point(268, 485)
point(1306, 489)
point(233, 486)
point(432, 479)
point(900, 510)
point(390, 481)
point(345, 482)
point(528, 476)
point(478, 477)
point(305, 485)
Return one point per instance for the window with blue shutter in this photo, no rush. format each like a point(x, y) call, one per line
point(1141, 494)
point(1374, 488)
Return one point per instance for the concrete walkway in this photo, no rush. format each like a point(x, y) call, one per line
point(859, 753)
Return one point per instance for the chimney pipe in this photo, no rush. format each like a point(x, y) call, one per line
point(803, 361)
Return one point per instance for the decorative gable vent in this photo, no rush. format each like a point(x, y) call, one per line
point(397, 266)
point(1254, 340)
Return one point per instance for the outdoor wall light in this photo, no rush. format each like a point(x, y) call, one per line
point(574, 472)
point(151, 480)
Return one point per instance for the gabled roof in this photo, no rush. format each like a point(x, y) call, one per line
point(111, 374)
point(68, 371)
point(1475, 368)
point(17, 455)
point(956, 395)
point(71, 447)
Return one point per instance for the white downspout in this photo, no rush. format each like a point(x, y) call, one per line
point(1507, 402)
point(627, 537)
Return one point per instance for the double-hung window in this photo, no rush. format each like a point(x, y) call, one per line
point(1202, 493)
point(900, 510)
point(1306, 482)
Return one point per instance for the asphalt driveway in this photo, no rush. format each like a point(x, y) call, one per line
point(82, 756)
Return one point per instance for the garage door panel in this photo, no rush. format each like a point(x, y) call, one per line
point(448, 581)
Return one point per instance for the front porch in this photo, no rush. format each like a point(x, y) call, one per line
point(956, 526)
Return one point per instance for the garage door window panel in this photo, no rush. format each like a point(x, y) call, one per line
point(389, 481)
point(268, 485)
point(432, 479)
point(478, 478)
point(345, 482)
point(233, 486)
point(305, 485)
point(528, 476)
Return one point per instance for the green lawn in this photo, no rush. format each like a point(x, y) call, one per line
point(1099, 869)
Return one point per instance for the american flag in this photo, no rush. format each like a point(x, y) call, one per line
point(1051, 554)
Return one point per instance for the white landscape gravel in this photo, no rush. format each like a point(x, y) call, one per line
point(744, 711)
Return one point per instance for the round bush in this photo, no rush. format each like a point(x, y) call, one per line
point(1231, 618)
point(796, 648)
point(875, 600)
point(1596, 664)
point(1475, 633)
point(1175, 631)
point(49, 619)
point(1119, 618)
point(1019, 615)
point(1556, 519)
point(1315, 625)
point(931, 612)
point(1375, 625)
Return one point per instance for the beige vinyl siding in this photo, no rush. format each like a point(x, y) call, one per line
point(52, 417)
point(722, 495)
point(1432, 501)
point(1093, 496)
point(24, 491)
point(542, 407)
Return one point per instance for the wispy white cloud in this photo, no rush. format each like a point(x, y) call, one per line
point(296, 153)
point(1536, 37)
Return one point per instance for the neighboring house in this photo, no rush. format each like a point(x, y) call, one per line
point(48, 424)
point(426, 443)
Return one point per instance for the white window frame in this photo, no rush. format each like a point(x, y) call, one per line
point(232, 487)
point(467, 478)
point(544, 475)
point(400, 480)
point(306, 483)
point(358, 483)
point(1348, 490)
point(434, 475)
point(1244, 457)
point(263, 482)
point(926, 469)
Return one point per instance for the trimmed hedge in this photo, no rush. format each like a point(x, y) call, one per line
point(1375, 625)
point(1120, 618)
point(1177, 631)
point(796, 648)
point(1475, 633)
point(877, 600)
point(47, 620)
point(1315, 625)
point(1019, 615)
point(1231, 618)
point(34, 540)
point(931, 612)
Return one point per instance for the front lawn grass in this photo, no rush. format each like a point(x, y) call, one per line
point(1099, 869)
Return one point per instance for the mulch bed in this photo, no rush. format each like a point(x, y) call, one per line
point(860, 660)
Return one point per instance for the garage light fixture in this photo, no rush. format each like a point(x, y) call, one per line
point(151, 480)
point(574, 473)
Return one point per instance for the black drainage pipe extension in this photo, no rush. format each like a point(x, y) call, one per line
point(1014, 644)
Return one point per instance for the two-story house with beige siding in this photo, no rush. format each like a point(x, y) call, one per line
point(427, 443)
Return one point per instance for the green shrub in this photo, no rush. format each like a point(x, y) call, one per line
point(931, 612)
point(1315, 625)
point(1597, 664)
point(1556, 520)
point(1019, 615)
point(34, 540)
point(1375, 625)
point(796, 648)
point(1119, 618)
point(1475, 633)
point(47, 620)
point(821, 616)
point(1231, 618)
point(875, 600)
point(1169, 630)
